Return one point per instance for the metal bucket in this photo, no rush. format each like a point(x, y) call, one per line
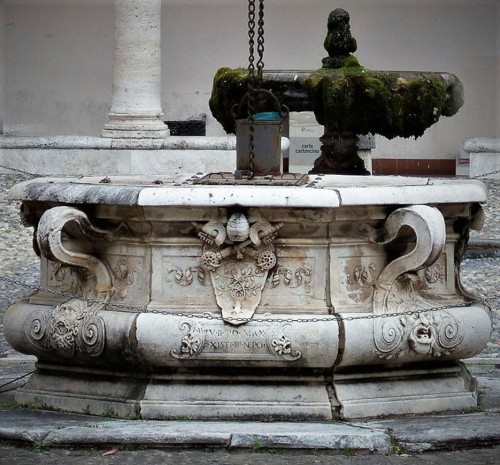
point(267, 131)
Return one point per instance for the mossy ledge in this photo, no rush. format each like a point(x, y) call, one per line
point(350, 99)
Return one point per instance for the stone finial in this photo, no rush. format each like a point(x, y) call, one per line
point(339, 43)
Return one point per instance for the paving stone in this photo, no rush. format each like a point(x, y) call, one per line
point(38, 456)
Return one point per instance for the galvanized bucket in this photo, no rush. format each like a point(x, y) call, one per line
point(267, 130)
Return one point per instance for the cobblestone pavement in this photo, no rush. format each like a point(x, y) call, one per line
point(9, 455)
point(480, 274)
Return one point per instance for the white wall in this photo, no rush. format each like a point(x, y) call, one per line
point(497, 132)
point(197, 40)
point(59, 58)
point(458, 39)
point(2, 65)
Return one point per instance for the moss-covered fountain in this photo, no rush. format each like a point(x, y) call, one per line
point(261, 297)
point(347, 98)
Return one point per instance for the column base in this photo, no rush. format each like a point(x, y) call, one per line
point(128, 127)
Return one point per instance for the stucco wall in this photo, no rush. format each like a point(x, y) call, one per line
point(457, 37)
point(59, 58)
point(2, 65)
point(497, 132)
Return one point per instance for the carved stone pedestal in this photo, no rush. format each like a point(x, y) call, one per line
point(188, 297)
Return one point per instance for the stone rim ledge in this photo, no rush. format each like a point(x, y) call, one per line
point(89, 142)
point(324, 192)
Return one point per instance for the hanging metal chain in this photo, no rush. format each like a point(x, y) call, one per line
point(260, 43)
point(332, 316)
point(18, 171)
point(485, 174)
point(254, 78)
point(251, 42)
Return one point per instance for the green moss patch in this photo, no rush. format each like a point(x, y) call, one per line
point(229, 87)
point(361, 102)
point(351, 99)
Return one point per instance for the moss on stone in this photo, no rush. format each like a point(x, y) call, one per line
point(351, 63)
point(228, 88)
point(339, 42)
point(351, 99)
point(359, 101)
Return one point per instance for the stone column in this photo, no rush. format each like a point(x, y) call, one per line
point(136, 107)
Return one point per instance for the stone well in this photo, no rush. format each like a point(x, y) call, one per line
point(288, 297)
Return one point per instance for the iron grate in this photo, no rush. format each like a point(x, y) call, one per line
point(218, 179)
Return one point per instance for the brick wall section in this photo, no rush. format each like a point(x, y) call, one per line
point(411, 167)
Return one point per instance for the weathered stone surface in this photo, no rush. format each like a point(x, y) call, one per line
point(445, 431)
point(318, 192)
point(315, 436)
point(78, 155)
point(482, 144)
point(101, 143)
point(237, 301)
point(484, 157)
point(57, 430)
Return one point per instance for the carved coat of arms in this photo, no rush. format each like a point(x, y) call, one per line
point(238, 253)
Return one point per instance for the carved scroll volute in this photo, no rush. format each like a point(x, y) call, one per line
point(49, 239)
point(430, 231)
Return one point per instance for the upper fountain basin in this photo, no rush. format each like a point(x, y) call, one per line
point(350, 99)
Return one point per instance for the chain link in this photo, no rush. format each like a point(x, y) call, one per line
point(251, 85)
point(485, 175)
point(143, 309)
point(260, 42)
point(251, 40)
point(254, 79)
point(208, 316)
point(16, 170)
